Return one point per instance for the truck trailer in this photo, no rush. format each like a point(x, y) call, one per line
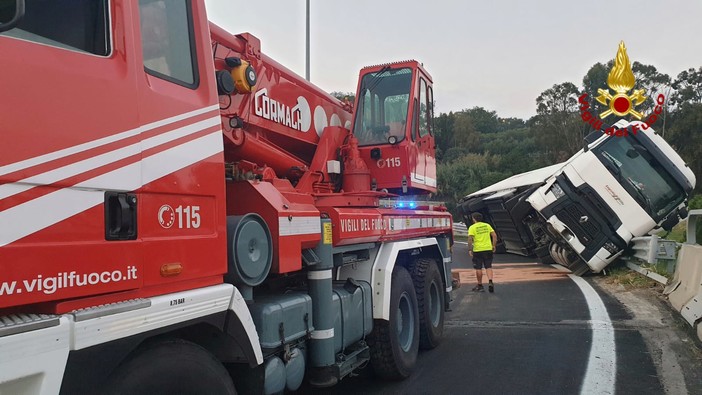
point(582, 213)
point(179, 213)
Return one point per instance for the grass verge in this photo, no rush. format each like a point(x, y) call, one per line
point(629, 279)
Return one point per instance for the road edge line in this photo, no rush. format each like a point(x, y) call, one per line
point(601, 373)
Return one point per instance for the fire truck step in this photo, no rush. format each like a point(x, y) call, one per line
point(19, 323)
point(108, 309)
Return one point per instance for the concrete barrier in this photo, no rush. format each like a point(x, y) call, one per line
point(685, 290)
point(460, 229)
point(687, 281)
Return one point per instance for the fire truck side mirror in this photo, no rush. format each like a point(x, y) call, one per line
point(18, 15)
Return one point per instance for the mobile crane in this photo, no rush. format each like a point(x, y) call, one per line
point(180, 213)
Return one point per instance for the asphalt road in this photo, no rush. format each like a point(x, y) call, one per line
point(534, 335)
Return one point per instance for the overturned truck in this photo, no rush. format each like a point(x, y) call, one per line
point(582, 213)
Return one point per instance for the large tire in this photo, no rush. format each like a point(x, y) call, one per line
point(170, 367)
point(430, 302)
point(544, 254)
point(394, 344)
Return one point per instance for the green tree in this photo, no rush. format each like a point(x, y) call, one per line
point(443, 124)
point(484, 121)
point(688, 87)
point(350, 96)
point(653, 82)
point(465, 134)
point(510, 123)
point(466, 175)
point(685, 137)
point(596, 78)
point(558, 128)
point(454, 153)
point(517, 147)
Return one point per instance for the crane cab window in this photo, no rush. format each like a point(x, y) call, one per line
point(78, 25)
point(168, 41)
point(383, 105)
point(424, 109)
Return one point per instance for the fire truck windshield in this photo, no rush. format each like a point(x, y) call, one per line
point(642, 175)
point(382, 106)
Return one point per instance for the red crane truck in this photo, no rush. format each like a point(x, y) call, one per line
point(181, 214)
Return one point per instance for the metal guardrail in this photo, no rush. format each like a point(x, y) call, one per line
point(692, 218)
point(652, 248)
point(460, 229)
point(649, 250)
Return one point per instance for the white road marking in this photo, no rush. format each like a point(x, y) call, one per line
point(601, 374)
point(561, 268)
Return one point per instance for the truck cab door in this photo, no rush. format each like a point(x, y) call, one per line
point(424, 173)
point(69, 139)
point(182, 214)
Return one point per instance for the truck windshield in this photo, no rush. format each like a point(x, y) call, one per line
point(641, 174)
point(382, 106)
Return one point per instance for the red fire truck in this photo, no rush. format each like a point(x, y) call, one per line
point(181, 214)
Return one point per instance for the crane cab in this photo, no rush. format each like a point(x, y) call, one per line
point(393, 125)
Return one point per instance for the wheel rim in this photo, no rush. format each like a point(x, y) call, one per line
point(434, 304)
point(405, 322)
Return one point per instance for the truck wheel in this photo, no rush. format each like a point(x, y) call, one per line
point(394, 344)
point(430, 302)
point(170, 367)
point(543, 252)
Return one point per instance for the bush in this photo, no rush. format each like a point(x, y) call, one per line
point(695, 202)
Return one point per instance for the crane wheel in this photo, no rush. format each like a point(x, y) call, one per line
point(430, 302)
point(394, 344)
point(171, 366)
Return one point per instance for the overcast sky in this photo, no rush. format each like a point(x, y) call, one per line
point(496, 54)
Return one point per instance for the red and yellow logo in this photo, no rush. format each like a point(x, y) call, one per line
point(620, 103)
point(621, 80)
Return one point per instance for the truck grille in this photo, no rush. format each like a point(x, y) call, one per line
point(587, 230)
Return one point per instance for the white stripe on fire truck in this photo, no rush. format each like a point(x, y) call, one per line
point(428, 181)
point(322, 334)
point(77, 168)
point(319, 274)
point(42, 212)
point(38, 160)
point(295, 226)
point(407, 223)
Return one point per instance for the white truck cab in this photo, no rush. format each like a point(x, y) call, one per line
point(583, 212)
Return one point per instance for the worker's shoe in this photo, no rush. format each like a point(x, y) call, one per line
point(479, 288)
point(491, 287)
